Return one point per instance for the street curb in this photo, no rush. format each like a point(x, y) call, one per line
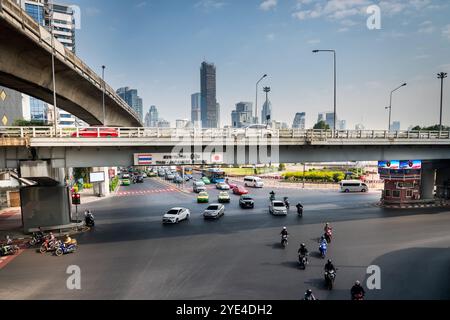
point(414, 206)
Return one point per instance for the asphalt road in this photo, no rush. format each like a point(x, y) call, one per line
point(131, 255)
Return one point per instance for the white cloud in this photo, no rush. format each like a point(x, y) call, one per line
point(267, 5)
point(313, 41)
point(426, 27)
point(270, 36)
point(209, 5)
point(446, 31)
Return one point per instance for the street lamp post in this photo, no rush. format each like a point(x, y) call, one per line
point(103, 100)
point(256, 100)
point(390, 105)
point(441, 76)
point(55, 117)
point(335, 100)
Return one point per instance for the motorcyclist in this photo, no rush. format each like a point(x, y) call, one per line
point(299, 207)
point(329, 267)
point(286, 202)
point(8, 240)
point(357, 289)
point(272, 195)
point(284, 232)
point(68, 240)
point(51, 237)
point(327, 228)
point(303, 252)
point(309, 295)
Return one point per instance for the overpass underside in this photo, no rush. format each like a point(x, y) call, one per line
point(233, 154)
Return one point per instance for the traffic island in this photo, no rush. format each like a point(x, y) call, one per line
point(415, 204)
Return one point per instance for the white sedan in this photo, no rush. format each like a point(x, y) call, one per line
point(176, 215)
point(214, 211)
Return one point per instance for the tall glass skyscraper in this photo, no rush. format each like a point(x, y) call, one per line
point(266, 113)
point(209, 106)
point(196, 99)
point(299, 121)
point(130, 96)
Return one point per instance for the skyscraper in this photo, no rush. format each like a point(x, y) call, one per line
point(395, 126)
point(196, 99)
point(299, 121)
point(208, 105)
point(130, 96)
point(266, 113)
point(243, 115)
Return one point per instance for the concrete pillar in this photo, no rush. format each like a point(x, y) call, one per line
point(443, 183)
point(427, 182)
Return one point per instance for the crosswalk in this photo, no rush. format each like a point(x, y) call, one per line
point(145, 192)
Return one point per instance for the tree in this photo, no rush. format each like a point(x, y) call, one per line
point(26, 123)
point(430, 128)
point(321, 125)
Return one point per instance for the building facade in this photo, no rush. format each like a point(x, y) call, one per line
point(242, 116)
point(11, 107)
point(131, 97)
point(196, 99)
point(299, 121)
point(208, 105)
point(266, 113)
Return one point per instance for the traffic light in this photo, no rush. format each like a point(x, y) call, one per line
point(76, 199)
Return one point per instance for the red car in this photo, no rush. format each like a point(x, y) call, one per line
point(232, 185)
point(95, 132)
point(240, 190)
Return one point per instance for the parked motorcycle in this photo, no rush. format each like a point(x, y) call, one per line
point(284, 241)
point(49, 246)
point(89, 219)
point(323, 249)
point(38, 237)
point(8, 250)
point(330, 276)
point(66, 249)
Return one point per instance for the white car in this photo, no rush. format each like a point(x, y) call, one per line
point(278, 208)
point(176, 215)
point(222, 186)
point(214, 211)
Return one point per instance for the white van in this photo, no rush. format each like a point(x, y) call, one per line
point(254, 182)
point(353, 186)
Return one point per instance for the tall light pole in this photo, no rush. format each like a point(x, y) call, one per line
point(334, 59)
point(390, 105)
point(256, 100)
point(103, 100)
point(441, 76)
point(55, 117)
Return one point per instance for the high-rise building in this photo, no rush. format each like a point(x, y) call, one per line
point(208, 105)
point(130, 96)
point(266, 113)
point(395, 126)
point(11, 107)
point(152, 117)
point(63, 22)
point(243, 115)
point(163, 123)
point(360, 126)
point(196, 99)
point(342, 124)
point(299, 121)
point(329, 119)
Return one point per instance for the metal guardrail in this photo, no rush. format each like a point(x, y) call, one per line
point(66, 56)
point(172, 133)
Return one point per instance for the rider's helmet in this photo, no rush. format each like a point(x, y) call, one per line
point(329, 261)
point(302, 245)
point(284, 228)
point(357, 283)
point(309, 291)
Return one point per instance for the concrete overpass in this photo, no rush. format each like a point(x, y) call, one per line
point(25, 66)
point(64, 149)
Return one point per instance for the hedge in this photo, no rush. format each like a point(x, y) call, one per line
point(317, 176)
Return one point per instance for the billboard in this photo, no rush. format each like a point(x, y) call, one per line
point(145, 159)
point(97, 177)
point(411, 164)
point(392, 164)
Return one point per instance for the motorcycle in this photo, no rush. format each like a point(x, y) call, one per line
point(284, 241)
point(89, 220)
point(328, 235)
point(287, 203)
point(330, 276)
point(8, 250)
point(300, 210)
point(358, 296)
point(323, 249)
point(302, 261)
point(65, 249)
point(36, 239)
point(272, 197)
point(49, 245)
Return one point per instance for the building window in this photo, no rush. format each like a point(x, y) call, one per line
point(387, 193)
point(396, 194)
point(409, 193)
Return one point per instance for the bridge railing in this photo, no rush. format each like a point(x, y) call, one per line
point(211, 134)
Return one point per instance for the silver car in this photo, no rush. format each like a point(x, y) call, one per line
point(176, 215)
point(278, 208)
point(214, 211)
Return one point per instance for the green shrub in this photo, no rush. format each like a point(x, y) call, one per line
point(87, 186)
point(113, 184)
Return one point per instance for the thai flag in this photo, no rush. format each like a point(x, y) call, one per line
point(144, 159)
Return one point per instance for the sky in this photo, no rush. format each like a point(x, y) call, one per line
point(157, 46)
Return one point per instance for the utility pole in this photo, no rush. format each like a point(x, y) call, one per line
point(441, 76)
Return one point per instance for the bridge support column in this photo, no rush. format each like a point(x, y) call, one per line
point(427, 181)
point(42, 169)
point(443, 183)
